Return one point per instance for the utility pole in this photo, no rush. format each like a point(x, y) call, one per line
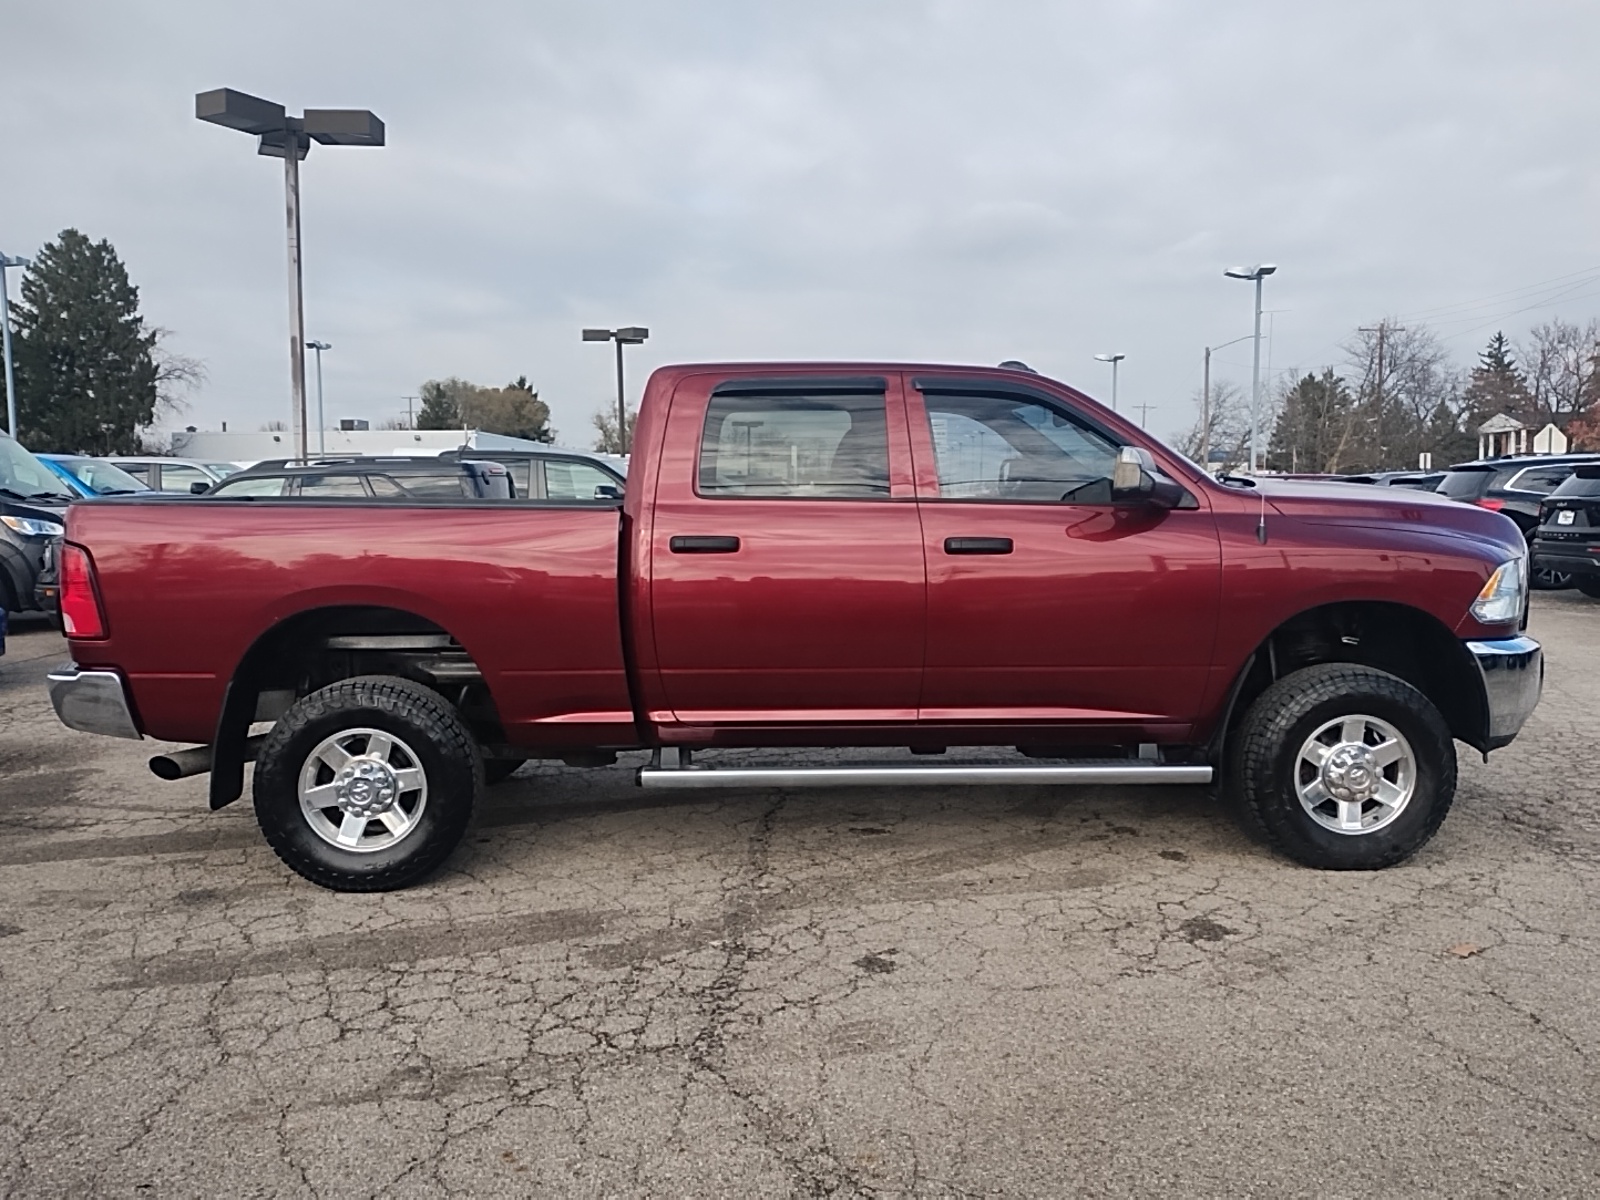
point(5, 333)
point(411, 417)
point(1205, 414)
point(1144, 413)
point(1382, 329)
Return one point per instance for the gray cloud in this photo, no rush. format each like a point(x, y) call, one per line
point(955, 181)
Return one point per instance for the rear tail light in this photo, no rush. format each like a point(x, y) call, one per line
point(1491, 504)
point(80, 600)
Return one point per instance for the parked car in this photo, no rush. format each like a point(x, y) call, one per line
point(1567, 541)
point(1422, 481)
point(33, 504)
point(555, 474)
point(88, 477)
point(816, 555)
point(1515, 487)
point(173, 474)
point(396, 478)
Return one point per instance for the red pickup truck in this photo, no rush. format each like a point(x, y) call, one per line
point(924, 557)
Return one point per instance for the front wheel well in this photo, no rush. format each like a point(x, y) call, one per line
point(1407, 642)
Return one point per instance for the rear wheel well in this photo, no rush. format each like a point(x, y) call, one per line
point(1403, 641)
point(319, 647)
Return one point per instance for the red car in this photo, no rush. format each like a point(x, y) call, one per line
point(929, 557)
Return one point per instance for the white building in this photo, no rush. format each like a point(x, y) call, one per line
point(1505, 434)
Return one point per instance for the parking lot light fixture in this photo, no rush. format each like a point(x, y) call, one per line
point(1258, 272)
point(628, 335)
point(281, 136)
point(6, 263)
point(322, 421)
point(1113, 359)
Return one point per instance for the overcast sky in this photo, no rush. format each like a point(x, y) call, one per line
point(964, 181)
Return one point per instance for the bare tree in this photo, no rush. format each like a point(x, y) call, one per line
point(1229, 421)
point(1559, 359)
point(1410, 399)
point(609, 440)
point(176, 375)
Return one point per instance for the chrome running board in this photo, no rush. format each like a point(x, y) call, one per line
point(1101, 771)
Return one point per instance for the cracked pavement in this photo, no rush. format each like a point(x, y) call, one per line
point(988, 991)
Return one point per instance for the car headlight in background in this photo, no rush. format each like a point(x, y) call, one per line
point(31, 527)
point(1503, 595)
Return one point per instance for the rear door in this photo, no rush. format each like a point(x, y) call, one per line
point(1047, 603)
point(786, 558)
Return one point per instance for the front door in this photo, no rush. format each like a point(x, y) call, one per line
point(1048, 604)
point(786, 560)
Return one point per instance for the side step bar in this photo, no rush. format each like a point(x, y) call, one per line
point(1113, 771)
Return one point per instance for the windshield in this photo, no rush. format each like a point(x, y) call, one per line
point(101, 477)
point(222, 470)
point(22, 476)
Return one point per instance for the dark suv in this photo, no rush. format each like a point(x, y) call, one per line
point(1567, 540)
point(1516, 487)
point(33, 505)
point(420, 478)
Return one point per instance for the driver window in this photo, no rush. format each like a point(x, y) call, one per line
point(1015, 448)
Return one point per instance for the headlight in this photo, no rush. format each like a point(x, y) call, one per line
point(29, 527)
point(1502, 598)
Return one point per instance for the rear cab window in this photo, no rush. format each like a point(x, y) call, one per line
point(794, 446)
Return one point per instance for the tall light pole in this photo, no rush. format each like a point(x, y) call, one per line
point(1205, 403)
point(290, 138)
point(630, 335)
point(322, 422)
point(1113, 359)
point(6, 263)
point(1258, 272)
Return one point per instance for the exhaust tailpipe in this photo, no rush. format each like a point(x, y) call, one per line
point(196, 760)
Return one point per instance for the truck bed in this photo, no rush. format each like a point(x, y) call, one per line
point(528, 589)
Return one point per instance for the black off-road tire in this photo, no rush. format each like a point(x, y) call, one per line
point(424, 721)
point(498, 770)
point(1589, 585)
point(1265, 751)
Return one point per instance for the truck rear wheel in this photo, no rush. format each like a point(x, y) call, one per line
point(368, 784)
point(1343, 767)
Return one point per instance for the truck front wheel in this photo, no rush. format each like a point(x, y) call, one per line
point(1344, 767)
point(368, 784)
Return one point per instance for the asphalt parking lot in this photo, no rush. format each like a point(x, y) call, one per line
point(1020, 992)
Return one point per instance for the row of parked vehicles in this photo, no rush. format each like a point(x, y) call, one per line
point(36, 488)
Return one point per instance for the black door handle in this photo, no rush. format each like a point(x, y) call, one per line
point(977, 545)
point(703, 544)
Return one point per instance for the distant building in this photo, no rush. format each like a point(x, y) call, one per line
point(246, 448)
point(1504, 434)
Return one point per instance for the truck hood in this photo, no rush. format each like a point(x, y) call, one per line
point(1328, 503)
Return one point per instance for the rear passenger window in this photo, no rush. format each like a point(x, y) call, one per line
point(435, 487)
point(331, 485)
point(1542, 480)
point(795, 447)
point(385, 488)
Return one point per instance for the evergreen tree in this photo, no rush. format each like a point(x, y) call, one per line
point(1497, 384)
point(1315, 426)
point(86, 375)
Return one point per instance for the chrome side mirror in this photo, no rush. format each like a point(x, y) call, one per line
point(1133, 477)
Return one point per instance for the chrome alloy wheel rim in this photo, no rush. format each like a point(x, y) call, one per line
point(363, 790)
point(1355, 774)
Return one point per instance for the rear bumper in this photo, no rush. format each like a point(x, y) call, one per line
point(1572, 560)
point(92, 701)
point(1513, 677)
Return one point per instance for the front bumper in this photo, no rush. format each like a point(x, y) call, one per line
point(92, 701)
point(1513, 676)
